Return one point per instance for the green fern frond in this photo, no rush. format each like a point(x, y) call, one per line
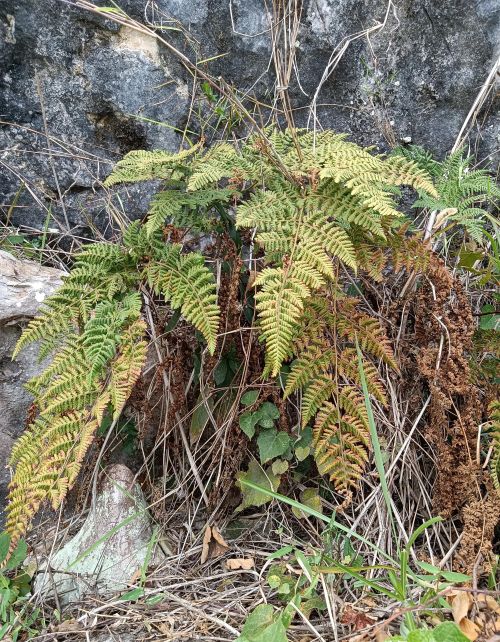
point(185, 281)
point(458, 186)
point(494, 434)
point(144, 166)
point(280, 302)
point(185, 209)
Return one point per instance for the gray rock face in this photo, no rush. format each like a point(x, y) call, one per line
point(23, 286)
point(78, 91)
point(109, 548)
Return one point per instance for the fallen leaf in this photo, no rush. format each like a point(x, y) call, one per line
point(214, 544)
point(469, 629)
point(68, 626)
point(381, 634)
point(355, 618)
point(460, 606)
point(240, 563)
point(492, 604)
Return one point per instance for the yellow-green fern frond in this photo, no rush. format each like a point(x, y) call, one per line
point(343, 206)
point(221, 161)
point(127, 367)
point(51, 323)
point(399, 170)
point(319, 390)
point(143, 165)
point(185, 281)
point(311, 362)
point(280, 302)
point(494, 433)
point(102, 333)
point(185, 209)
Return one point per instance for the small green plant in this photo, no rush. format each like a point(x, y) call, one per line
point(394, 578)
point(16, 616)
point(460, 187)
point(444, 632)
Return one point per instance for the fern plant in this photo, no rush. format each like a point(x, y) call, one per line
point(461, 188)
point(93, 325)
point(315, 202)
point(318, 204)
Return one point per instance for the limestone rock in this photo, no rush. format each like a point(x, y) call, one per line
point(110, 547)
point(23, 287)
point(106, 90)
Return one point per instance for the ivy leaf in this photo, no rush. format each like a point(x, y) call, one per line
point(489, 320)
point(302, 453)
point(272, 444)
point(314, 603)
point(248, 421)
point(305, 439)
point(264, 420)
point(263, 625)
point(249, 397)
point(310, 498)
point(220, 372)
point(279, 466)
point(269, 410)
point(257, 475)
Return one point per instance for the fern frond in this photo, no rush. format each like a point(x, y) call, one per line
point(101, 335)
point(372, 260)
point(185, 209)
point(311, 362)
point(127, 367)
point(315, 395)
point(280, 302)
point(403, 171)
point(221, 161)
point(185, 281)
point(348, 368)
point(341, 447)
point(494, 433)
point(369, 333)
point(148, 165)
point(51, 323)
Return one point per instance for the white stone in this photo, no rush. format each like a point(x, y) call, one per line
point(23, 286)
point(112, 545)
